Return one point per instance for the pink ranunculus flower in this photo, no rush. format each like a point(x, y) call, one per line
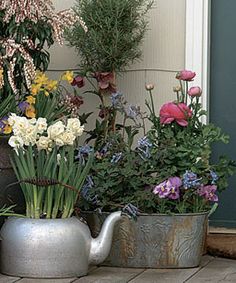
point(195, 91)
point(170, 112)
point(185, 75)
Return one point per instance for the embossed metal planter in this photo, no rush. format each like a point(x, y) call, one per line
point(154, 240)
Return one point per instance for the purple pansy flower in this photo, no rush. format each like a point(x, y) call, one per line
point(208, 192)
point(23, 105)
point(162, 190)
point(169, 188)
point(3, 122)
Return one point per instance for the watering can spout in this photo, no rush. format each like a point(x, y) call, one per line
point(100, 246)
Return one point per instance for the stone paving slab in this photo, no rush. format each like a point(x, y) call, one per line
point(212, 270)
point(110, 275)
point(218, 270)
point(8, 279)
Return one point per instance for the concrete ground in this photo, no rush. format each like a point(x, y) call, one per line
point(212, 270)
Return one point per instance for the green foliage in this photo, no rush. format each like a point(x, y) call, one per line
point(56, 200)
point(115, 32)
point(125, 174)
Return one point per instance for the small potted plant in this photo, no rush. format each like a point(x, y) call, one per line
point(47, 242)
point(169, 181)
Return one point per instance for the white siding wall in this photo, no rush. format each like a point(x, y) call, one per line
point(163, 55)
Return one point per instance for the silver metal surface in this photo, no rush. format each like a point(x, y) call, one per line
point(154, 241)
point(52, 248)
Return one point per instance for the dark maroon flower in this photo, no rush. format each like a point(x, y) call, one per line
point(103, 113)
point(106, 81)
point(78, 81)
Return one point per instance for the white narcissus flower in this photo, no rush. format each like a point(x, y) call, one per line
point(74, 125)
point(21, 125)
point(29, 135)
point(55, 130)
point(12, 119)
point(68, 138)
point(16, 142)
point(41, 125)
point(44, 143)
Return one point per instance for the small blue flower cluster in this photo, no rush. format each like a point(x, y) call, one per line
point(116, 157)
point(85, 191)
point(116, 100)
point(144, 146)
point(190, 180)
point(132, 111)
point(214, 177)
point(131, 210)
point(83, 152)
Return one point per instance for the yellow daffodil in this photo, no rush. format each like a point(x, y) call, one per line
point(30, 111)
point(7, 129)
point(68, 76)
point(30, 99)
point(35, 89)
point(41, 79)
point(51, 85)
point(46, 93)
point(1, 74)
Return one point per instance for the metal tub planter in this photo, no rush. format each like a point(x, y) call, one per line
point(154, 240)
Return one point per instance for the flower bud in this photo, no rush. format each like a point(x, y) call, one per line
point(195, 91)
point(177, 88)
point(185, 75)
point(149, 86)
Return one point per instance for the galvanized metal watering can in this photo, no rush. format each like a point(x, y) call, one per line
point(52, 248)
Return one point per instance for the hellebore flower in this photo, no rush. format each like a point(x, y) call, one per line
point(185, 75)
point(106, 81)
point(170, 112)
point(78, 81)
point(208, 192)
point(195, 91)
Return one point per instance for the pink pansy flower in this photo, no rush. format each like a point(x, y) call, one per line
point(208, 192)
point(180, 113)
point(185, 75)
point(195, 91)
